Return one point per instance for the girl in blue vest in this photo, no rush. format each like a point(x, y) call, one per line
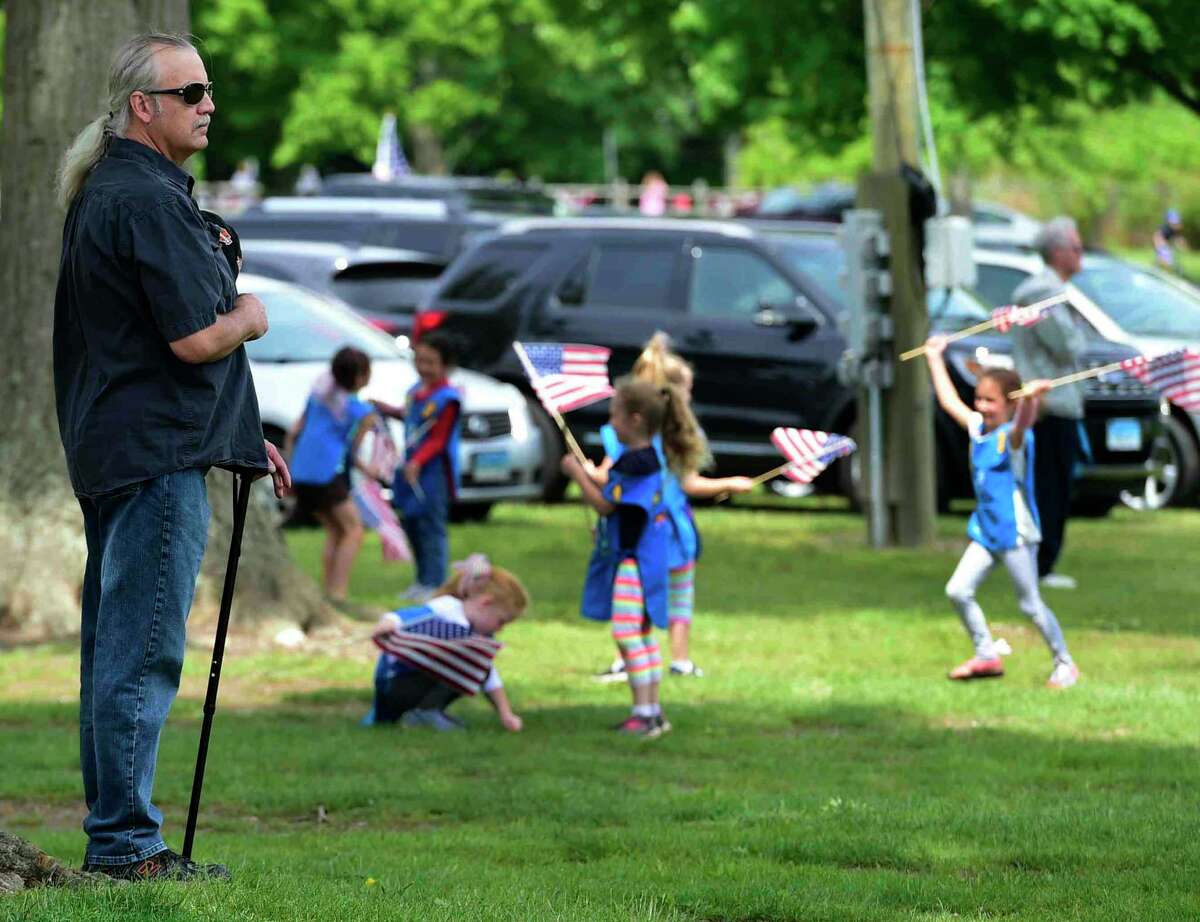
point(478, 600)
point(682, 457)
point(1004, 527)
point(322, 441)
point(627, 575)
point(428, 481)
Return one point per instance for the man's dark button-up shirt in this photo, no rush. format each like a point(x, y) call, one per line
point(141, 269)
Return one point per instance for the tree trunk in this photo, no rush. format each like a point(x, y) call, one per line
point(57, 55)
point(24, 866)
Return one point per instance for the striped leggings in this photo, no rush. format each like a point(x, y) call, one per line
point(681, 593)
point(631, 628)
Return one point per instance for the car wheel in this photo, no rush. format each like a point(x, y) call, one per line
point(1177, 456)
point(554, 484)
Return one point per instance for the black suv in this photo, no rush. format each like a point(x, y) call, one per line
point(761, 331)
point(462, 194)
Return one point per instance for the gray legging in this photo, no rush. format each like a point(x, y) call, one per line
point(977, 561)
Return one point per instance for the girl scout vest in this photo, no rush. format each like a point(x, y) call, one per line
point(994, 522)
point(322, 446)
point(440, 474)
point(650, 552)
point(684, 537)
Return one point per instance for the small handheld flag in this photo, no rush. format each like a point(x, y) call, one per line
point(1176, 375)
point(1012, 315)
point(809, 451)
point(1002, 319)
point(447, 652)
point(566, 376)
point(375, 511)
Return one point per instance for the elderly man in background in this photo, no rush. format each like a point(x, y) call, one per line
point(1050, 349)
point(153, 388)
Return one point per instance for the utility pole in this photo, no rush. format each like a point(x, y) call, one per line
point(909, 467)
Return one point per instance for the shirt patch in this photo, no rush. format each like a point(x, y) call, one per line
point(1001, 440)
point(428, 410)
point(224, 237)
point(616, 493)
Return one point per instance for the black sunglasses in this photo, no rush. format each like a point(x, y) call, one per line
point(192, 93)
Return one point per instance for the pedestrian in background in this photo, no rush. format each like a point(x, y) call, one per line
point(1051, 349)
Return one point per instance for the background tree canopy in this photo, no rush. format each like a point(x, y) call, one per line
point(529, 86)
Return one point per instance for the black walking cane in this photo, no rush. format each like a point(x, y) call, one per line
point(241, 501)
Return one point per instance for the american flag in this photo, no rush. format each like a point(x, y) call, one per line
point(1176, 375)
point(389, 155)
point(377, 512)
point(1012, 315)
point(810, 451)
point(450, 653)
point(566, 376)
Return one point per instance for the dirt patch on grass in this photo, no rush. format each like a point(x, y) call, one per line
point(42, 814)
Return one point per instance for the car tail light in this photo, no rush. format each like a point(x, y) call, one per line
point(388, 326)
point(426, 322)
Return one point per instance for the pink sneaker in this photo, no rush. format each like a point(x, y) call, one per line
point(976, 668)
point(1064, 676)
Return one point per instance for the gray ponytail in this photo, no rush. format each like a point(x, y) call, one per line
point(134, 68)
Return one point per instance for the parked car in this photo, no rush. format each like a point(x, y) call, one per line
point(1003, 228)
point(757, 316)
point(500, 451)
point(426, 226)
point(996, 226)
point(461, 194)
point(383, 284)
point(1149, 310)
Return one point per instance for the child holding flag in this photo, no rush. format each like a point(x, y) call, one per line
point(682, 453)
point(627, 576)
point(427, 482)
point(326, 435)
point(435, 653)
point(1004, 527)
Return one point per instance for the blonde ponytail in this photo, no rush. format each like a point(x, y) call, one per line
point(88, 149)
point(684, 442)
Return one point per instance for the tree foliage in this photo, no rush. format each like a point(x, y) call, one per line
point(530, 86)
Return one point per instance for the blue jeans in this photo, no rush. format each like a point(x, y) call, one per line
point(145, 543)
point(427, 532)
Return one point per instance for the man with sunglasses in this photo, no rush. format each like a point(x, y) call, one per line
point(1050, 349)
point(153, 389)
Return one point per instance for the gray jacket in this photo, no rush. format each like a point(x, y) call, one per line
point(1051, 348)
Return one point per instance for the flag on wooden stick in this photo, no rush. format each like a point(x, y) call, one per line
point(566, 376)
point(1176, 375)
point(809, 451)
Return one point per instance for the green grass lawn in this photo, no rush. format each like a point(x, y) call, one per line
point(823, 769)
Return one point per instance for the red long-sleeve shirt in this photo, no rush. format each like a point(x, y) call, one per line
point(439, 435)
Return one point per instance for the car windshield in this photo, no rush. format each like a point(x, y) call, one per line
point(821, 259)
point(306, 328)
point(1140, 302)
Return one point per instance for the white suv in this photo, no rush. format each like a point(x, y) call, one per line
point(1149, 310)
point(500, 451)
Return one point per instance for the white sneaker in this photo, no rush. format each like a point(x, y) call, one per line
point(1064, 676)
point(614, 673)
point(1058, 581)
